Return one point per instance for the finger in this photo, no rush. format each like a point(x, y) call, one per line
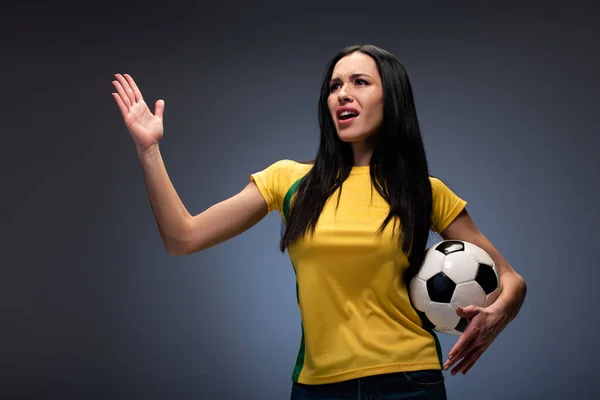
point(122, 93)
point(460, 348)
point(468, 366)
point(467, 312)
point(469, 361)
point(126, 88)
point(465, 361)
point(122, 106)
point(159, 108)
point(476, 358)
point(134, 88)
point(468, 335)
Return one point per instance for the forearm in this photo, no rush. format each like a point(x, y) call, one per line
point(513, 294)
point(171, 215)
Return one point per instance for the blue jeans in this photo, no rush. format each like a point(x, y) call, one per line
point(418, 385)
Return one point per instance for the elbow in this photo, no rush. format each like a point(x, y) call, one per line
point(520, 286)
point(178, 245)
point(176, 250)
point(516, 286)
point(523, 286)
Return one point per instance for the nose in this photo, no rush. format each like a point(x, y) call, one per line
point(343, 95)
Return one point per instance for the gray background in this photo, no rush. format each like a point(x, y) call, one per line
point(92, 306)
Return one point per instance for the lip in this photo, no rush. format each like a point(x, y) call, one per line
point(345, 122)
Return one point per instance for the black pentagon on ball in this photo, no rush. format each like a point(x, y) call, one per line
point(450, 246)
point(486, 278)
point(462, 325)
point(440, 288)
point(427, 324)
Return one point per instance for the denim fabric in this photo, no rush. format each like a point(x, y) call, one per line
point(418, 385)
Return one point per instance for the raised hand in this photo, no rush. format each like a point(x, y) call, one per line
point(145, 128)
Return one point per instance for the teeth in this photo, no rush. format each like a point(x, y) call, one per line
point(344, 113)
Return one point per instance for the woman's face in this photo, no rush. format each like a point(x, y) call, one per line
point(356, 97)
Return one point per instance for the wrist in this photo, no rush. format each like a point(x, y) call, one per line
point(149, 151)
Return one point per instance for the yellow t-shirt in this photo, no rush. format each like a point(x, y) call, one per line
point(356, 315)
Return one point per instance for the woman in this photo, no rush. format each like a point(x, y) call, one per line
point(361, 338)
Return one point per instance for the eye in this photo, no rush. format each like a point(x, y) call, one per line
point(361, 82)
point(333, 86)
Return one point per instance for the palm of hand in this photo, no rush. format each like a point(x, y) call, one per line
point(143, 125)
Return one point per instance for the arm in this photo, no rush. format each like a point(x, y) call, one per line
point(181, 233)
point(485, 324)
point(184, 234)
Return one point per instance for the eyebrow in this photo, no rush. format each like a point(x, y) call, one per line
point(353, 76)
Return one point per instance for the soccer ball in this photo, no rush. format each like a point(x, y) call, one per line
point(454, 273)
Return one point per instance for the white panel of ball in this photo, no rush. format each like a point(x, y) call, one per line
point(478, 253)
point(460, 267)
point(468, 293)
point(418, 294)
point(432, 264)
point(442, 315)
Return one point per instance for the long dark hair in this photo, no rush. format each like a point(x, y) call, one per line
point(398, 166)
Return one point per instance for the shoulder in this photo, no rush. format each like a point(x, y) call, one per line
point(275, 180)
point(436, 184)
point(281, 174)
point(287, 169)
point(443, 191)
point(446, 204)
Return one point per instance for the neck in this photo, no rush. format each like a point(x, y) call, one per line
point(362, 153)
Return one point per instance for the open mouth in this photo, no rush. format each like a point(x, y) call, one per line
point(346, 115)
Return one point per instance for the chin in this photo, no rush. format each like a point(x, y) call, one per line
point(350, 137)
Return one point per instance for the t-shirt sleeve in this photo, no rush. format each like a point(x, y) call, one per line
point(446, 205)
point(273, 181)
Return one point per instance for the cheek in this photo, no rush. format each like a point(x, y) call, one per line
point(331, 107)
point(376, 112)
